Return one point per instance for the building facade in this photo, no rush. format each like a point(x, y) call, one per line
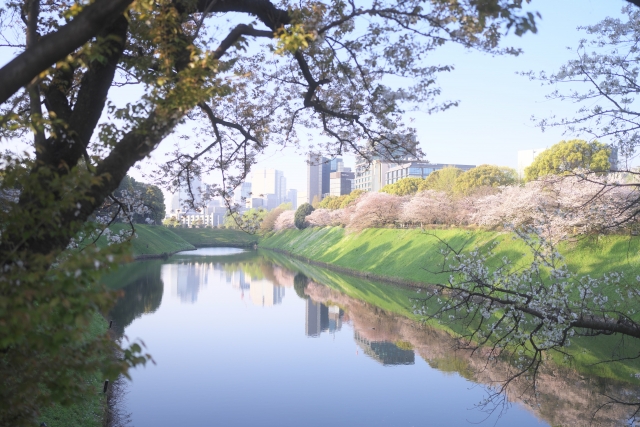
point(178, 199)
point(292, 197)
point(341, 183)
point(319, 170)
point(525, 158)
point(371, 176)
point(242, 193)
point(417, 170)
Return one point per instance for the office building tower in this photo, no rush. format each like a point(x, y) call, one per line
point(340, 183)
point(267, 182)
point(242, 194)
point(292, 197)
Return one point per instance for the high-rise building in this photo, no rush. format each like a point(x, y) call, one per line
point(314, 178)
point(292, 197)
point(319, 170)
point(178, 199)
point(371, 174)
point(341, 183)
point(302, 198)
point(269, 185)
point(242, 193)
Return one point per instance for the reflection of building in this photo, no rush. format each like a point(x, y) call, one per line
point(320, 318)
point(385, 352)
point(265, 293)
point(186, 279)
point(238, 280)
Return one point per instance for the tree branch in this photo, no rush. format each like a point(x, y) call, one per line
point(56, 46)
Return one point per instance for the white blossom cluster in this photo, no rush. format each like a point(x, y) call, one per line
point(285, 221)
point(560, 206)
point(556, 206)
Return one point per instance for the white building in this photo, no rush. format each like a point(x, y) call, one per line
point(302, 198)
point(292, 197)
point(178, 198)
point(525, 158)
point(242, 193)
point(270, 185)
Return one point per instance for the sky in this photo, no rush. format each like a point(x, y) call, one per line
point(493, 120)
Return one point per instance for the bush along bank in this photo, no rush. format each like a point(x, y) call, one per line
point(414, 257)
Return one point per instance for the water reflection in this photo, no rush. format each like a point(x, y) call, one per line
point(142, 294)
point(320, 318)
point(202, 294)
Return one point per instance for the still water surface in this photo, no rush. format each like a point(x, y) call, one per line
point(242, 339)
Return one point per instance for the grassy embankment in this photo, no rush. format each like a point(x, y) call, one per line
point(152, 240)
point(413, 256)
point(214, 237)
point(89, 412)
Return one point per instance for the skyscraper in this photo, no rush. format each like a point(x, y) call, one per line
point(242, 193)
point(267, 182)
point(178, 198)
point(319, 170)
point(314, 177)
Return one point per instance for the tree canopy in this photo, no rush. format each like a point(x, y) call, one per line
point(484, 176)
point(301, 213)
point(441, 180)
point(270, 74)
point(566, 156)
point(403, 187)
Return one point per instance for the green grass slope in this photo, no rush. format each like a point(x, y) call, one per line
point(89, 412)
point(211, 237)
point(414, 255)
point(152, 240)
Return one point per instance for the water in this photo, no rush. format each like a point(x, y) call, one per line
point(247, 339)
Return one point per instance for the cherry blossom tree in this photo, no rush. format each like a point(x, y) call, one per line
point(428, 207)
point(285, 221)
point(376, 210)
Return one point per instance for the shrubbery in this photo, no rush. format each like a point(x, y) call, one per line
point(300, 215)
point(555, 204)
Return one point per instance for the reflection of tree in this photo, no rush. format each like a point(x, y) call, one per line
point(564, 396)
point(142, 295)
point(299, 284)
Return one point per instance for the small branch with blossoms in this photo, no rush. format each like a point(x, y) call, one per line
point(522, 314)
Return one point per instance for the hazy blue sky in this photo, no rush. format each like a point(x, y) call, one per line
point(493, 120)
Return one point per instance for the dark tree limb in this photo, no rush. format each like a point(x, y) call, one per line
point(56, 46)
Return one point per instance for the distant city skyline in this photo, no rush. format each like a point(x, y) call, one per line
point(493, 121)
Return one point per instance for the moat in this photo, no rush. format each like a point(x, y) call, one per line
point(245, 338)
